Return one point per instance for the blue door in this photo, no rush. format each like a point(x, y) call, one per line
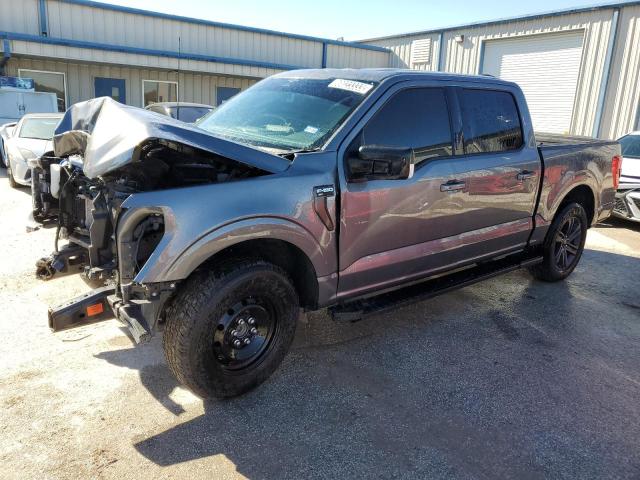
point(111, 87)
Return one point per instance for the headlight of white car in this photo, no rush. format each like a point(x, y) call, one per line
point(29, 157)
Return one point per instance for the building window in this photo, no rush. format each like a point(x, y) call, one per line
point(53, 82)
point(155, 91)
point(225, 93)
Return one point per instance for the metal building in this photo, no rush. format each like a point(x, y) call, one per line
point(82, 49)
point(579, 69)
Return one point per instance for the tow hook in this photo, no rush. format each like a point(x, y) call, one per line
point(67, 261)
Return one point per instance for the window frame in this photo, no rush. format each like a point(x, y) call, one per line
point(450, 105)
point(175, 82)
point(64, 81)
point(460, 100)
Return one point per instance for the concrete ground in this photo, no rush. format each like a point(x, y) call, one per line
point(511, 378)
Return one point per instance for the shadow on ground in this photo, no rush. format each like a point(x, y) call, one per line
point(511, 378)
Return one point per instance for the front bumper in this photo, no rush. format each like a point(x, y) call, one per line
point(627, 204)
point(140, 312)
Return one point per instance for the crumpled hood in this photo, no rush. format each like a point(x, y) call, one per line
point(109, 135)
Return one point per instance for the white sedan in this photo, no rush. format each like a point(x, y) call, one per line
point(628, 196)
point(31, 138)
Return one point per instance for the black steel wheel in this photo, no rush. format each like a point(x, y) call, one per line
point(228, 329)
point(244, 333)
point(563, 245)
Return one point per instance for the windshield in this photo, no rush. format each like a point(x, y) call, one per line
point(630, 146)
point(287, 114)
point(39, 128)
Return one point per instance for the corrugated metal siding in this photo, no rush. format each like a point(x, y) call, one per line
point(19, 15)
point(623, 98)
point(80, 80)
point(339, 56)
point(80, 22)
point(400, 48)
point(147, 61)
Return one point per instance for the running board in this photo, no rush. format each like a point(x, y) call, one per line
point(362, 308)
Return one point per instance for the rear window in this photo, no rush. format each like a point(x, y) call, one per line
point(191, 114)
point(630, 146)
point(39, 128)
point(491, 121)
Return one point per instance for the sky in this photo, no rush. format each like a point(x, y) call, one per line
point(353, 20)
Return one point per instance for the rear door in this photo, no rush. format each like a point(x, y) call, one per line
point(497, 174)
point(39, 102)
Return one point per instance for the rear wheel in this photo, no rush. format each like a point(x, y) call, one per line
point(229, 329)
point(564, 244)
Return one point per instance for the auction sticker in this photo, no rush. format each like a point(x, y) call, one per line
point(351, 86)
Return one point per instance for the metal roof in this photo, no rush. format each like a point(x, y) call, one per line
point(552, 13)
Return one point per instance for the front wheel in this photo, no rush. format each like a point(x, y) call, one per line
point(12, 181)
point(229, 329)
point(563, 245)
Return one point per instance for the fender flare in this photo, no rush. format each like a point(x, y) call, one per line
point(234, 233)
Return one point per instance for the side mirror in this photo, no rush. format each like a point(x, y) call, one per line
point(376, 162)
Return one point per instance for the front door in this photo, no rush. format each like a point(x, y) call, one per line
point(111, 87)
point(390, 228)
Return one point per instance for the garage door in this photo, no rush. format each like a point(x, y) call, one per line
point(546, 67)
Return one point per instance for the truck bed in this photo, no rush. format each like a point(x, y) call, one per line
point(557, 140)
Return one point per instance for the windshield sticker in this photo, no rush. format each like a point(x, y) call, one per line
point(351, 86)
point(311, 129)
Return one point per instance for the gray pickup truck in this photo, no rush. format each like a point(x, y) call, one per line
point(356, 190)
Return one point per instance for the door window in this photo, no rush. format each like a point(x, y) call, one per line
point(491, 121)
point(415, 118)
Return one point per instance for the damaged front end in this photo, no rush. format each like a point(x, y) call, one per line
point(94, 173)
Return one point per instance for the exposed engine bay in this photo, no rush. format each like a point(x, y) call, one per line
point(88, 208)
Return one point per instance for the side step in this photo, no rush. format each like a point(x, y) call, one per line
point(88, 308)
point(362, 308)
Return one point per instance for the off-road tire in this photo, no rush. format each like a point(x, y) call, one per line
point(551, 269)
point(194, 314)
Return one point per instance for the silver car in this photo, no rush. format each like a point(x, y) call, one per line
point(31, 138)
point(6, 131)
point(628, 196)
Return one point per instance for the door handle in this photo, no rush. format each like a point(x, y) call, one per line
point(453, 186)
point(525, 174)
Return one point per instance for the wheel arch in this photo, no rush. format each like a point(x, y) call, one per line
point(279, 241)
point(582, 194)
point(281, 253)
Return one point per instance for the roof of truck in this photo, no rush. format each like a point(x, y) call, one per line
point(380, 74)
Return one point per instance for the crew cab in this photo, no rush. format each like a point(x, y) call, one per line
point(356, 190)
